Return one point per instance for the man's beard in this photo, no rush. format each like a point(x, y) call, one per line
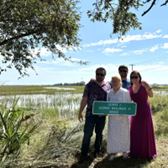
point(124, 75)
point(99, 79)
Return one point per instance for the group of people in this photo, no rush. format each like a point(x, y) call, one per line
point(132, 136)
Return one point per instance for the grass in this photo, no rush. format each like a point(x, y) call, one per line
point(49, 89)
point(158, 88)
point(12, 90)
point(57, 142)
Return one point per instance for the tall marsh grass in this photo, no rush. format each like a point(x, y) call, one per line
point(158, 102)
point(159, 106)
point(62, 105)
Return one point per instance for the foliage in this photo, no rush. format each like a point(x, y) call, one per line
point(43, 89)
point(28, 25)
point(72, 133)
point(13, 134)
point(58, 142)
point(159, 106)
point(158, 103)
point(161, 123)
point(82, 83)
point(120, 13)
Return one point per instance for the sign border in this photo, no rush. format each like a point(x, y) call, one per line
point(113, 102)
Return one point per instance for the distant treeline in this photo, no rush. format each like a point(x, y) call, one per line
point(82, 83)
point(158, 86)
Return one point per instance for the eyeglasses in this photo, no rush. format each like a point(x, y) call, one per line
point(123, 71)
point(99, 74)
point(134, 77)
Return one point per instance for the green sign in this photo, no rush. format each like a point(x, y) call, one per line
point(114, 108)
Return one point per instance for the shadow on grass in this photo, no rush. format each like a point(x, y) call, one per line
point(90, 158)
point(86, 164)
point(118, 162)
point(48, 167)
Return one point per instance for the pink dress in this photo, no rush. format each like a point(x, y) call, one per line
point(142, 131)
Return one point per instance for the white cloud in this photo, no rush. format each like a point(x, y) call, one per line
point(129, 38)
point(150, 36)
point(158, 31)
point(111, 50)
point(165, 45)
point(101, 42)
point(43, 52)
point(63, 49)
point(139, 51)
point(138, 37)
point(60, 75)
point(154, 48)
point(165, 36)
point(123, 54)
point(126, 39)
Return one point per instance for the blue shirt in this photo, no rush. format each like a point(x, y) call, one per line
point(125, 84)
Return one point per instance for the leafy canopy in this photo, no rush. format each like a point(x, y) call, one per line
point(118, 11)
point(28, 25)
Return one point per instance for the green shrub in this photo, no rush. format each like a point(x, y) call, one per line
point(161, 123)
point(158, 103)
point(13, 133)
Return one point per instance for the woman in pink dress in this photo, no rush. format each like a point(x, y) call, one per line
point(142, 131)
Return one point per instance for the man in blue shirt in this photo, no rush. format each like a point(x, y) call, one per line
point(123, 71)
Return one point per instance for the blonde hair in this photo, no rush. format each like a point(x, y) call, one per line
point(118, 77)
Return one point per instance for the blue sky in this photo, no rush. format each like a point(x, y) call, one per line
point(147, 49)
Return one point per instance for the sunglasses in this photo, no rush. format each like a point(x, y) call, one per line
point(134, 77)
point(123, 71)
point(99, 74)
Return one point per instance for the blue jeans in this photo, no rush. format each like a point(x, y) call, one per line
point(93, 121)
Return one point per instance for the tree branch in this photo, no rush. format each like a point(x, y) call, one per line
point(17, 37)
point(10, 20)
point(153, 3)
point(164, 3)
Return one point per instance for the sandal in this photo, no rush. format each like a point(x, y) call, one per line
point(111, 157)
point(125, 155)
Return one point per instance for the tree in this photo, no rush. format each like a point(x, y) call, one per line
point(123, 19)
point(28, 25)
